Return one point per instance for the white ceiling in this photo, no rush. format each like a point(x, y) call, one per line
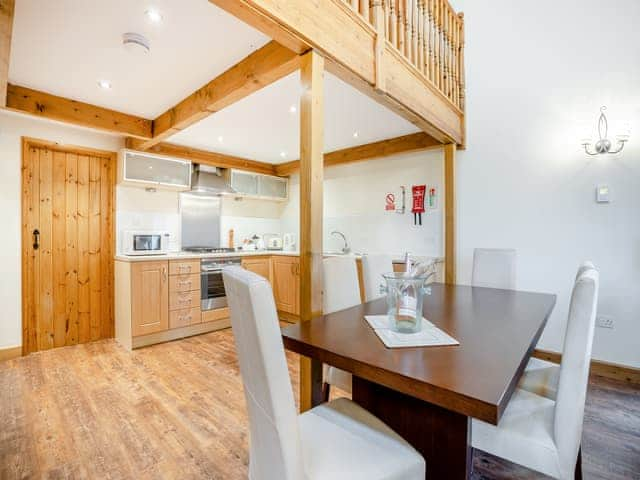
point(262, 127)
point(65, 47)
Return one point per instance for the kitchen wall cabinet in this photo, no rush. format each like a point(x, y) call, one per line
point(149, 297)
point(140, 169)
point(257, 185)
point(259, 265)
point(286, 283)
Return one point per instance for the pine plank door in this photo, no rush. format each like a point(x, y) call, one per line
point(67, 245)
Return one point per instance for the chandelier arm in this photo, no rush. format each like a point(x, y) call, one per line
point(586, 149)
point(620, 147)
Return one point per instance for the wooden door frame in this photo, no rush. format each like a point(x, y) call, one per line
point(25, 237)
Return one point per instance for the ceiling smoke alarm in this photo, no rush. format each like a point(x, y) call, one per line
point(136, 43)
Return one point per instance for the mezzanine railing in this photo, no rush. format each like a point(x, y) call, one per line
point(427, 33)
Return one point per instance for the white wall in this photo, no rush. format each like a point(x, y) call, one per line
point(12, 128)
point(537, 73)
point(354, 202)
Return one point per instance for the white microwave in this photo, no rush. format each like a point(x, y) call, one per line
point(145, 242)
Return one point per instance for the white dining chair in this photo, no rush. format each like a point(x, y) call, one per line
point(373, 267)
point(541, 376)
point(334, 441)
point(540, 433)
point(341, 290)
point(494, 268)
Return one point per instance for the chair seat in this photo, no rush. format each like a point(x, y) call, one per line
point(524, 434)
point(337, 378)
point(341, 440)
point(541, 377)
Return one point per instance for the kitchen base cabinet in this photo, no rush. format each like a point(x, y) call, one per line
point(258, 265)
point(286, 283)
point(149, 297)
point(158, 301)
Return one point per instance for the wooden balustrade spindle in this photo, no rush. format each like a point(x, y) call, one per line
point(414, 32)
point(420, 26)
point(385, 13)
point(461, 61)
point(438, 76)
point(407, 30)
point(447, 45)
point(364, 10)
point(393, 23)
point(354, 5)
point(456, 72)
point(431, 41)
point(401, 25)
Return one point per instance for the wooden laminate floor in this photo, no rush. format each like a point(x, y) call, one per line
point(177, 411)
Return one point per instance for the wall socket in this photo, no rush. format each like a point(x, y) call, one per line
point(604, 321)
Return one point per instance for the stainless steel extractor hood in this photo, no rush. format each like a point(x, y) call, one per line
point(206, 180)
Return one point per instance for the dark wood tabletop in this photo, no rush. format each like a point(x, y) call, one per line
point(497, 331)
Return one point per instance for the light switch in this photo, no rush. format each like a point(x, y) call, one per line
point(602, 194)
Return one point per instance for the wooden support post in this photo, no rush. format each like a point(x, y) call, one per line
point(6, 27)
point(450, 213)
point(311, 200)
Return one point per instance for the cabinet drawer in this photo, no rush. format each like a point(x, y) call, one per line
point(217, 314)
point(184, 267)
point(184, 317)
point(184, 283)
point(178, 300)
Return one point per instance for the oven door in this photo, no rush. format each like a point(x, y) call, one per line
point(212, 294)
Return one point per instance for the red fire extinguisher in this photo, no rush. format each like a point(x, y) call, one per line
point(418, 192)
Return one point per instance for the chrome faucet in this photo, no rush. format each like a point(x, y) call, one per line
point(346, 249)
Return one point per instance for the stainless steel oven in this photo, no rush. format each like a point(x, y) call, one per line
point(212, 294)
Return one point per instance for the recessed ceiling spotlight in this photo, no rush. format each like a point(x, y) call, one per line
point(136, 43)
point(153, 15)
point(355, 134)
point(104, 84)
point(283, 154)
point(293, 109)
point(220, 139)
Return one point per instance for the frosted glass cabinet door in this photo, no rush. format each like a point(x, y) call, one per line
point(244, 183)
point(157, 170)
point(273, 187)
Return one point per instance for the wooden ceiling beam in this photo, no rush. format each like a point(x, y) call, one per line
point(210, 158)
point(263, 67)
point(384, 148)
point(7, 8)
point(52, 107)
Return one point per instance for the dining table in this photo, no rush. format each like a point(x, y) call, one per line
point(429, 395)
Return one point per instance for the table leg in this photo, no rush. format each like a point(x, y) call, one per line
point(442, 437)
point(317, 396)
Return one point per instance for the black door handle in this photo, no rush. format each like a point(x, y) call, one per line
point(36, 239)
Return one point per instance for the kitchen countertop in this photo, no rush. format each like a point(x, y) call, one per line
point(246, 253)
point(191, 255)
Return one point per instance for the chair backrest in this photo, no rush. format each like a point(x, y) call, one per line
point(584, 266)
point(340, 281)
point(373, 266)
point(275, 450)
point(494, 268)
point(574, 369)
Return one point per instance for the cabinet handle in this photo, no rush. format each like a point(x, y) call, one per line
point(185, 283)
point(164, 274)
point(184, 268)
